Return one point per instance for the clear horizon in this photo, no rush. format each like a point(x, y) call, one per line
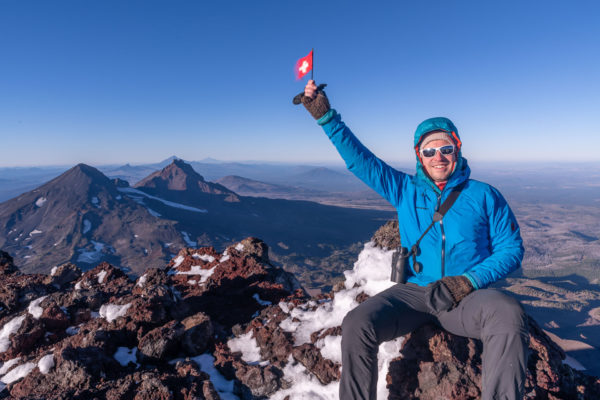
point(112, 82)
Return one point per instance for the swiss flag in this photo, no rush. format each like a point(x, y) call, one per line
point(304, 65)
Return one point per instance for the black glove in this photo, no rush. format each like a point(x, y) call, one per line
point(318, 106)
point(446, 293)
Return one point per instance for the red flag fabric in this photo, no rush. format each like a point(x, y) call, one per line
point(304, 65)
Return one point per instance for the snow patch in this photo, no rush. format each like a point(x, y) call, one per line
point(91, 257)
point(87, 226)
point(203, 257)
point(35, 232)
point(18, 372)
point(222, 385)
point(371, 274)
point(178, 261)
point(46, 363)
point(261, 301)
point(239, 247)
point(7, 365)
point(573, 363)
point(187, 239)
point(40, 202)
point(306, 386)
point(197, 270)
point(246, 344)
point(8, 329)
point(153, 213)
point(110, 312)
point(142, 281)
point(137, 193)
point(101, 275)
point(125, 355)
point(35, 309)
point(53, 270)
point(95, 201)
point(72, 330)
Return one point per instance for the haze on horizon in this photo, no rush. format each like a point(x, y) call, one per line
point(117, 82)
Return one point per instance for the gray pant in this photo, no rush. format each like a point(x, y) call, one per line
point(486, 314)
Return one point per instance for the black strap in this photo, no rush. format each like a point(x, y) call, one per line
point(437, 216)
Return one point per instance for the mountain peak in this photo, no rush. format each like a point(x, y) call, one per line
point(178, 175)
point(81, 174)
point(181, 176)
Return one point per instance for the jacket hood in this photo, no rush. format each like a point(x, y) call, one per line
point(440, 124)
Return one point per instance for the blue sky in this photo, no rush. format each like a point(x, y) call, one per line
point(137, 81)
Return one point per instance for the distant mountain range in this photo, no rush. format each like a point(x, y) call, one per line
point(84, 217)
point(251, 187)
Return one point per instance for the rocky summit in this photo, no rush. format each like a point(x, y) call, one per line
point(227, 325)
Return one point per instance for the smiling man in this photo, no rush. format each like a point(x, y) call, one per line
point(462, 237)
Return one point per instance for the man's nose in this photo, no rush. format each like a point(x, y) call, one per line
point(438, 155)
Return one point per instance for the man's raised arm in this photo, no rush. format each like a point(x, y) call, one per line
point(378, 175)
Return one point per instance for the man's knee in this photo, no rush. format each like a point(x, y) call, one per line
point(502, 314)
point(358, 324)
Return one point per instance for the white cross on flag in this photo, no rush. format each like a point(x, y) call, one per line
point(304, 65)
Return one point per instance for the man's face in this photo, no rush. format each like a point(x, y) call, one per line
point(439, 167)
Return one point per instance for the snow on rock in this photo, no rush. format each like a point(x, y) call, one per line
point(178, 261)
point(239, 247)
point(40, 202)
point(72, 330)
point(261, 301)
point(197, 270)
point(203, 257)
point(372, 280)
point(101, 275)
point(224, 258)
point(35, 232)
point(91, 257)
point(8, 365)
point(18, 372)
point(222, 385)
point(573, 363)
point(329, 346)
point(306, 386)
point(87, 226)
point(153, 213)
point(187, 239)
point(78, 285)
point(246, 344)
point(8, 329)
point(35, 309)
point(110, 312)
point(53, 270)
point(142, 281)
point(371, 275)
point(125, 355)
point(136, 195)
point(46, 363)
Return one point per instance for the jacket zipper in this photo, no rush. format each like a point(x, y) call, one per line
point(443, 247)
point(443, 236)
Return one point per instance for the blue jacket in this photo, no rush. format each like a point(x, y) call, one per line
point(479, 236)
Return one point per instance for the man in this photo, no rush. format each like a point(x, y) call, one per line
point(476, 243)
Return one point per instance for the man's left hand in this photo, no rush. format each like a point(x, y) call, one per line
point(446, 293)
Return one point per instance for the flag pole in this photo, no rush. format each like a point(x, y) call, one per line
point(312, 52)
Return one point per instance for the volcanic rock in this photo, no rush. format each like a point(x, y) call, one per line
point(103, 335)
